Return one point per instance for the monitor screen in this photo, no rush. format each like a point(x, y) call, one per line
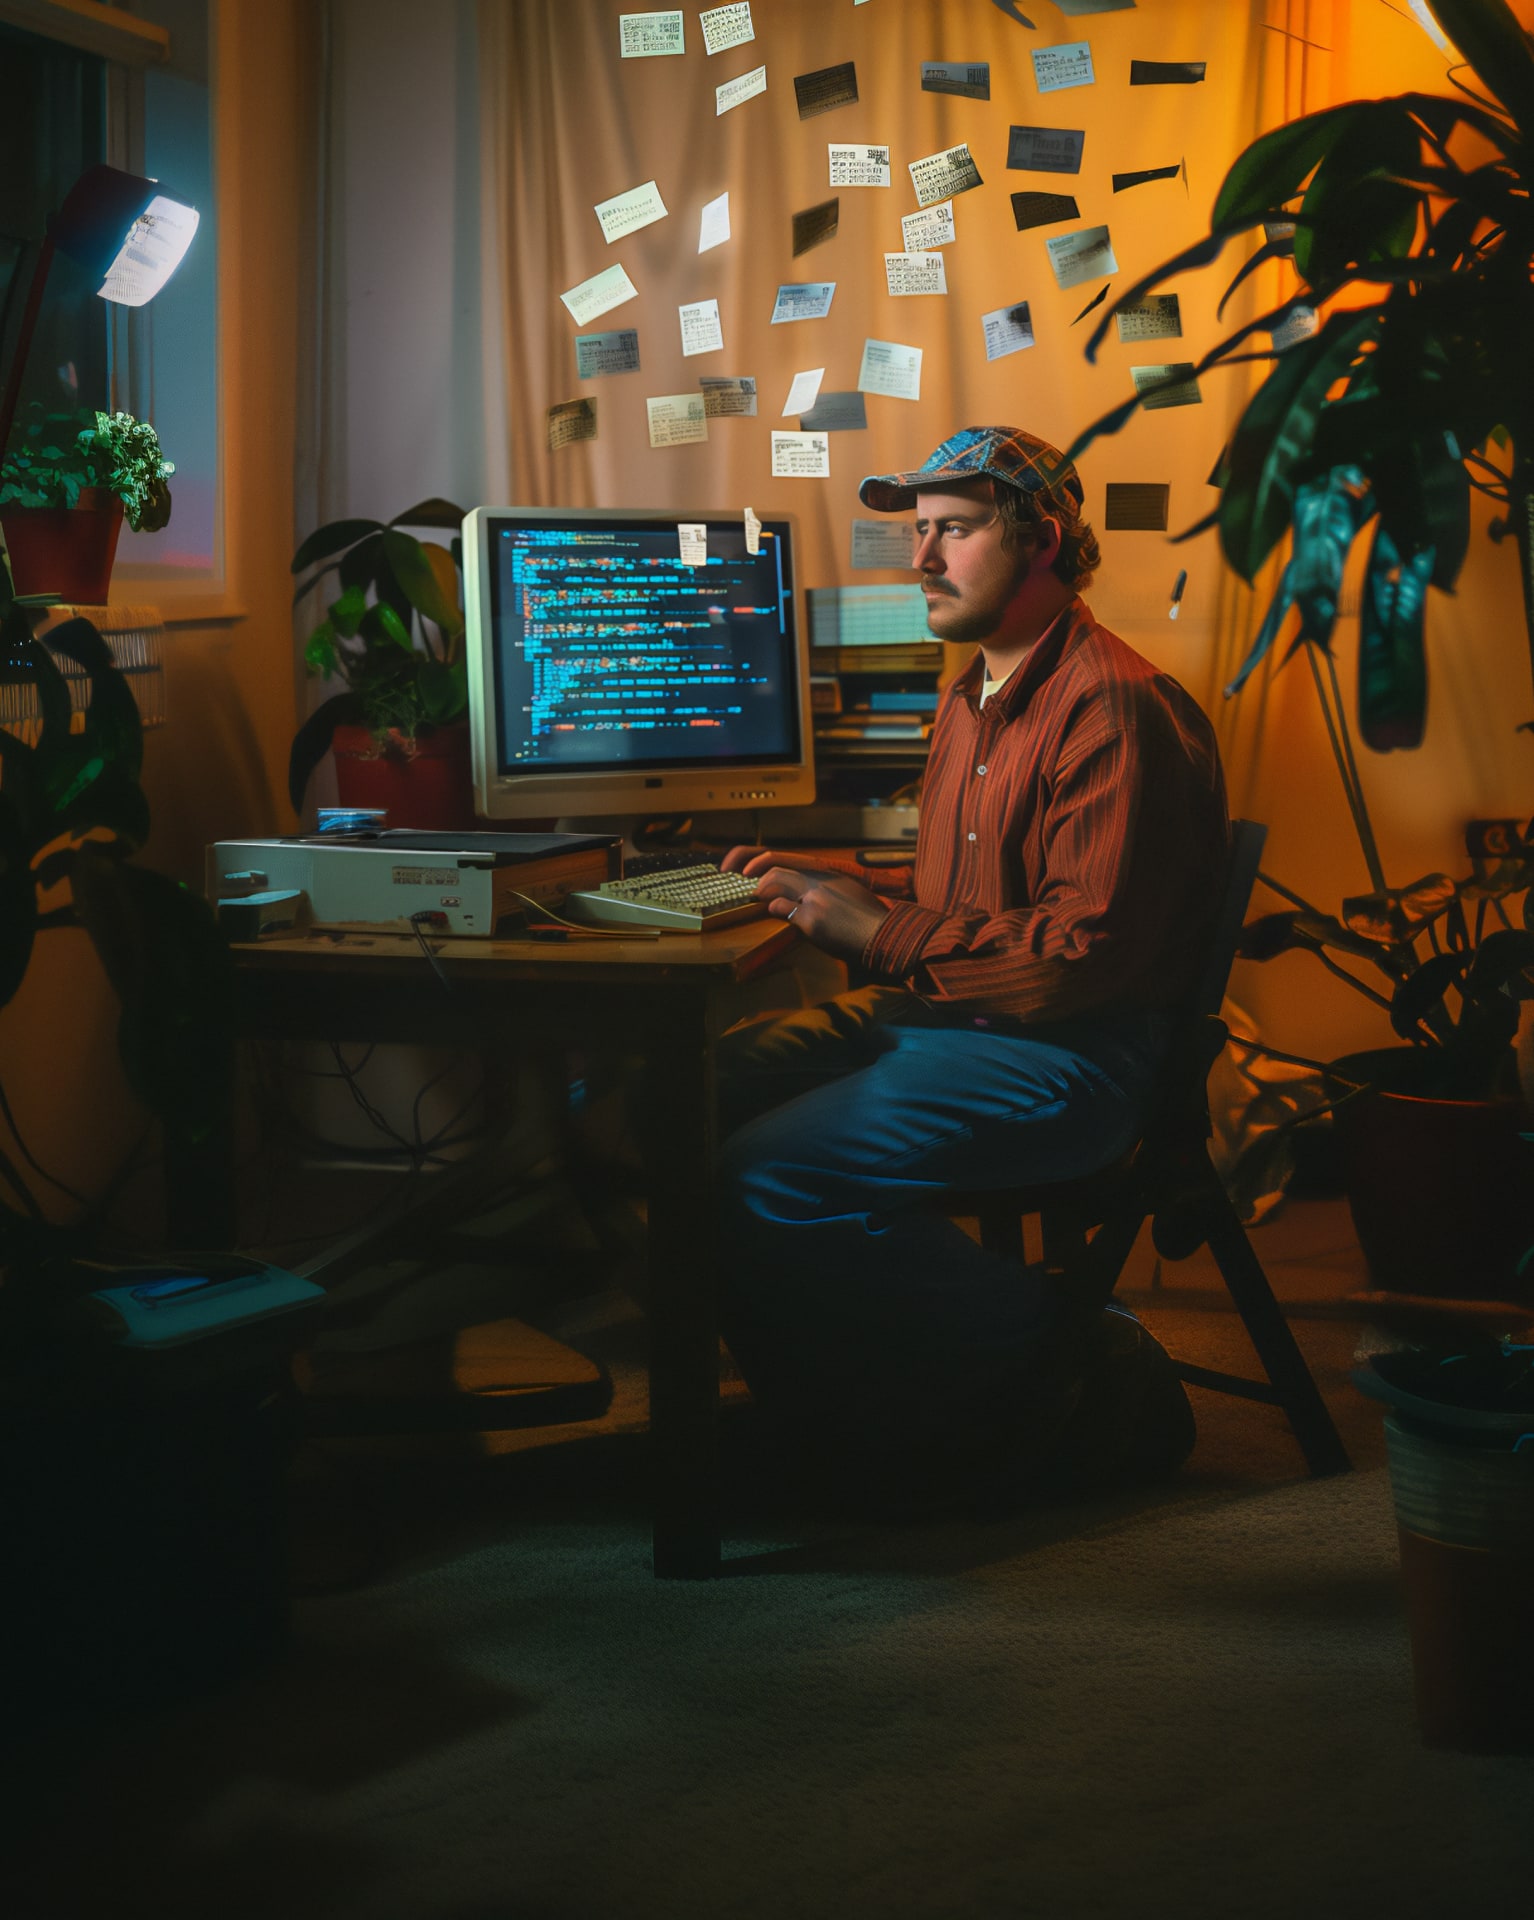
point(627, 661)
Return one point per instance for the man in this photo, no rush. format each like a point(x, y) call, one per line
point(1026, 973)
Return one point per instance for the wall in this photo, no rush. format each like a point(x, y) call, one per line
point(218, 767)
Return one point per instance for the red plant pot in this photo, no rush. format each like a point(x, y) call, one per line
point(65, 550)
point(426, 782)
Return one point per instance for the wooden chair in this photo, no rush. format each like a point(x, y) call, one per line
point(1090, 1225)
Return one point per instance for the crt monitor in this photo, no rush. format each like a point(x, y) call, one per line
point(614, 669)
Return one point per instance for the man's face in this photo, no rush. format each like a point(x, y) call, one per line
point(975, 586)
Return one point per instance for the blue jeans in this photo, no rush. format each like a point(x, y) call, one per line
point(855, 1311)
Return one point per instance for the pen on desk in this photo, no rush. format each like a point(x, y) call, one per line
point(1177, 590)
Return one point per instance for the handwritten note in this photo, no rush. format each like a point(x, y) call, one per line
point(600, 353)
point(908, 273)
point(859, 166)
point(939, 176)
point(891, 369)
point(692, 542)
point(1087, 255)
point(644, 36)
point(932, 227)
point(725, 395)
point(801, 456)
point(733, 92)
point(803, 300)
point(1056, 68)
point(603, 291)
point(883, 544)
point(1007, 330)
point(676, 418)
point(1154, 316)
point(571, 420)
point(726, 27)
point(628, 212)
point(701, 332)
point(1170, 385)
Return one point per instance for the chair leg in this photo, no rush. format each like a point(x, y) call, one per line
point(1276, 1347)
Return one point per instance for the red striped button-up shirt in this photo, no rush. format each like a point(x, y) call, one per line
point(1073, 839)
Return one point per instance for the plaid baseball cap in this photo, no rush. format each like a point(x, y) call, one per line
point(999, 453)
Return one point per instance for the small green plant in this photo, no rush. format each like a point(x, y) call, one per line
point(393, 633)
point(59, 455)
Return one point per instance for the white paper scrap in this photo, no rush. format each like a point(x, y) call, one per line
point(701, 332)
point(753, 532)
point(1084, 255)
point(932, 227)
point(747, 87)
point(628, 212)
point(801, 456)
point(714, 224)
point(803, 300)
point(803, 392)
point(1007, 330)
point(883, 543)
point(602, 292)
point(728, 394)
point(1155, 316)
point(676, 418)
point(890, 369)
point(1171, 385)
point(726, 27)
point(908, 273)
point(859, 166)
point(644, 36)
point(692, 539)
point(939, 176)
point(1056, 68)
point(1429, 25)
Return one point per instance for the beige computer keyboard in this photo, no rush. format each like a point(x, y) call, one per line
point(685, 900)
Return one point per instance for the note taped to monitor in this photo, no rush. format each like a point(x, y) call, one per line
point(676, 419)
point(801, 456)
point(600, 353)
point(1087, 255)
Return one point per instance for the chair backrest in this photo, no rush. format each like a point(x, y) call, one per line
point(1247, 838)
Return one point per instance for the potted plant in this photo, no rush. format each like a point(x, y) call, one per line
point(394, 635)
point(65, 491)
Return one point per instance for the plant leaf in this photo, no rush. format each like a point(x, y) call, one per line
point(1273, 168)
point(431, 513)
point(382, 626)
point(1422, 991)
point(18, 899)
point(312, 741)
point(1352, 213)
point(346, 613)
point(1488, 34)
point(411, 568)
point(1392, 667)
point(327, 540)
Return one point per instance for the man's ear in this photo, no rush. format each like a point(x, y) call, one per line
point(1046, 546)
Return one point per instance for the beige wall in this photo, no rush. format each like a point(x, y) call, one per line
point(218, 767)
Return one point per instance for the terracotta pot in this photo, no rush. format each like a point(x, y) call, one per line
point(65, 550)
point(426, 782)
point(1441, 1191)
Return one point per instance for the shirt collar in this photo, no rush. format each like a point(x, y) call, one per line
point(1042, 659)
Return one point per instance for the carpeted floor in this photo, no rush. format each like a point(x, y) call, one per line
point(1194, 1702)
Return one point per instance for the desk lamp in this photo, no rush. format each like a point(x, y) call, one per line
point(118, 225)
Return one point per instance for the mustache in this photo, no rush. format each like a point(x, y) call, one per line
point(933, 587)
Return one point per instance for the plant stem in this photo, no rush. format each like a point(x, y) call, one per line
point(1347, 766)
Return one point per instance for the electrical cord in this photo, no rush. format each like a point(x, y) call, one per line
point(31, 1159)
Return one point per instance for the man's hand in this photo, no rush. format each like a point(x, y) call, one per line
point(837, 914)
point(752, 861)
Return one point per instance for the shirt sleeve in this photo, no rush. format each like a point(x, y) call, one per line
point(1083, 941)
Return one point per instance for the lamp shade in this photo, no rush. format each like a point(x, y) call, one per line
point(120, 227)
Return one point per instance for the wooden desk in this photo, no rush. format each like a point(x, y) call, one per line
point(667, 999)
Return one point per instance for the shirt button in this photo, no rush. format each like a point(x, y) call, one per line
point(980, 769)
point(972, 836)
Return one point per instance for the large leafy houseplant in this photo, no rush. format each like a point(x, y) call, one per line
point(72, 817)
point(393, 633)
point(1418, 210)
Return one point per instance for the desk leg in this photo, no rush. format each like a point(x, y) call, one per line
point(684, 1313)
